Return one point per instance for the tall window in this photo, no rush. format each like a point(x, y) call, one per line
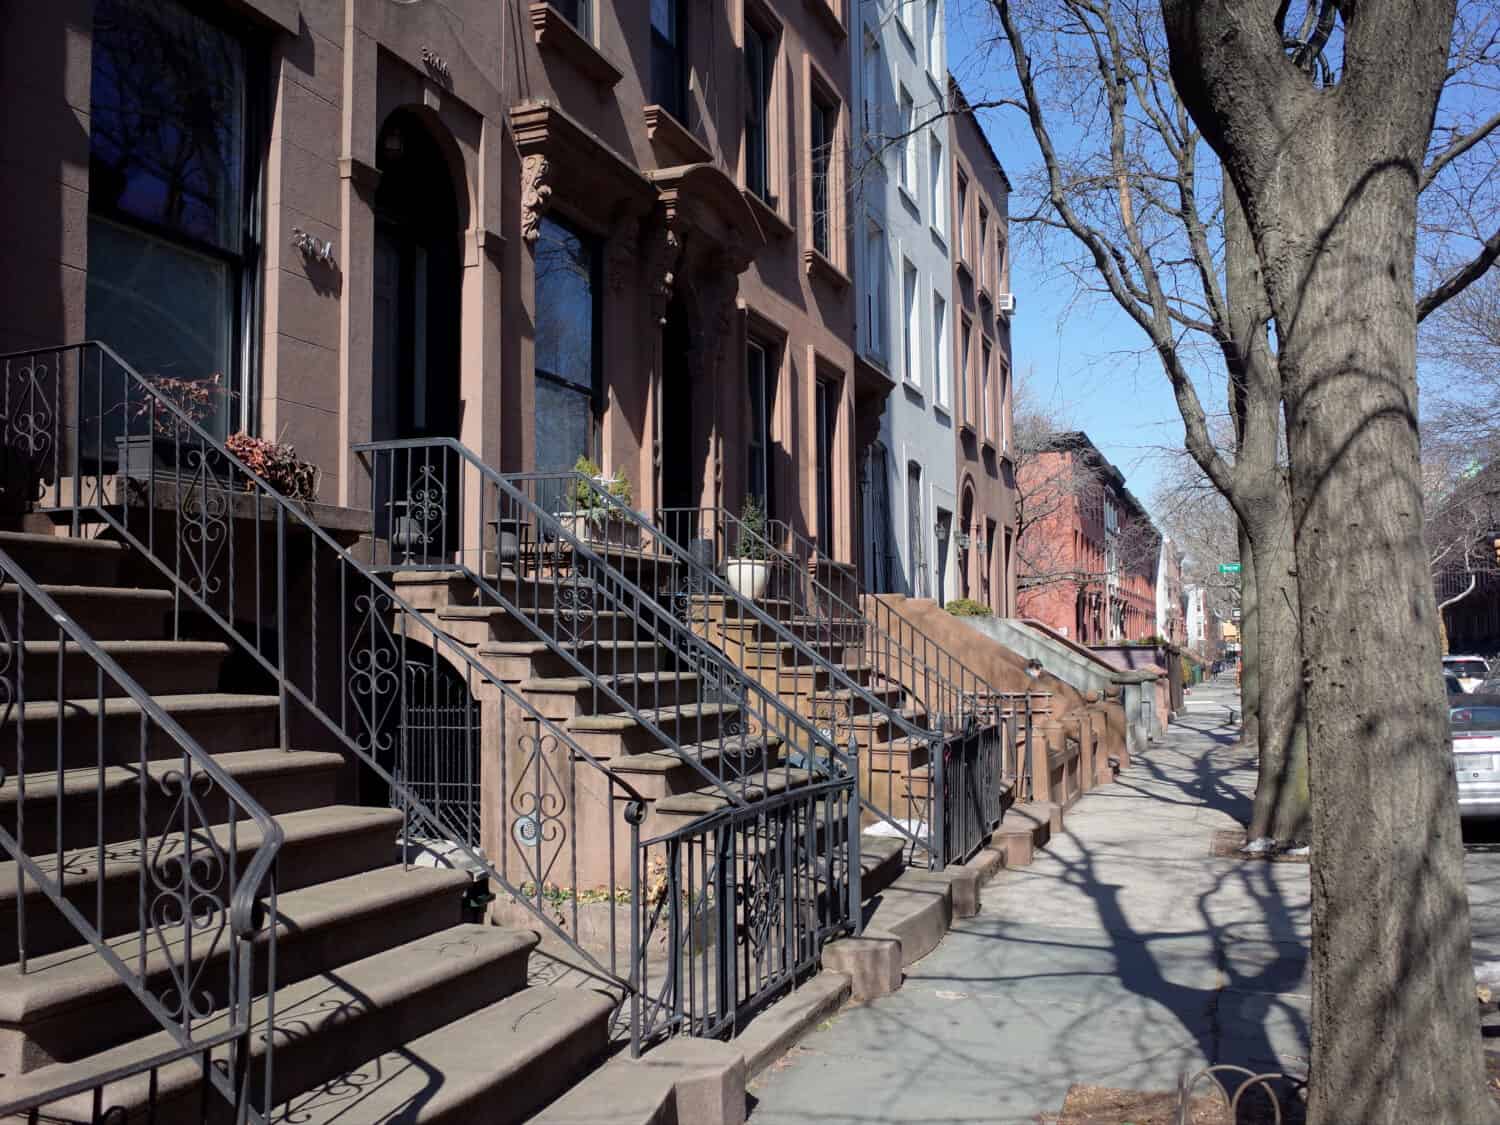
point(911, 325)
point(986, 409)
point(826, 415)
point(567, 353)
point(933, 31)
point(824, 129)
point(916, 557)
point(171, 232)
point(962, 216)
point(940, 349)
point(760, 378)
point(982, 246)
point(669, 56)
point(760, 60)
point(966, 330)
point(870, 93)
point(908, 170)
point(577, 13)
point(875, 274)
point(939, 188)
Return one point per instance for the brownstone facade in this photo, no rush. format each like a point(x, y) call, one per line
point(544, 229)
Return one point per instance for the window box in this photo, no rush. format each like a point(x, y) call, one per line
point(670, 136)
point(556, 35)
point(819, 267)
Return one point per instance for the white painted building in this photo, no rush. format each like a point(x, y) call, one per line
point(1197, 616)
point(904, 285)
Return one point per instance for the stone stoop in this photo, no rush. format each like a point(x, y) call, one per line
point(387, 1004)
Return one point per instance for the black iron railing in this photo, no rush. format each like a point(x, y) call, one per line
point(589, 586)
point(173, 897)
point(828, 604)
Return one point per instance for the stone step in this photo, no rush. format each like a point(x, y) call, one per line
point(842, 631)
point(665, 773)
point(773, 654)
point(717, 607)
point(71, 1004)
point(218, 721)
point(686, 807)
point(841, 703)
point(324, 1026)
point(320, 844)
point(105, 613)
point(564, 697)
point(614, 736)
point(160, 667)
point(514, 661)
point(64, 560)
point(499, 1065)
point(280, 780)
point(479, 624)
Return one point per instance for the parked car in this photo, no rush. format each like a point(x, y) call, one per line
point(1456, 688)
point(1475, 727)
point(1470, 670)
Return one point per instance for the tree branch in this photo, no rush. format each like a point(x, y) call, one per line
point(1461, 278)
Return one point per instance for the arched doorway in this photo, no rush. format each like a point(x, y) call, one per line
point(417, 271)
point(965, 530)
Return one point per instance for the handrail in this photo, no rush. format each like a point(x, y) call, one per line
point(204, 501)
point(705, 577)
point(243, 909)
point(605, 578)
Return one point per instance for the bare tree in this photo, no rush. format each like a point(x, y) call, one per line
point(1327, 143)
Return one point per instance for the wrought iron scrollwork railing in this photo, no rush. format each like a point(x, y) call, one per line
point(828, 603)
point(174, 896)
point(431, 727)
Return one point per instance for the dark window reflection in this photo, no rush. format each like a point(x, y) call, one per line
point(567, 309)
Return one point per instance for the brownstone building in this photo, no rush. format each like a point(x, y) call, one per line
point(982, 357)
point(545, 229)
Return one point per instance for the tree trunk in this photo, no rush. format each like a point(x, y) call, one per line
point(1249, 645)
point(1281, 811)
point(1329, 181)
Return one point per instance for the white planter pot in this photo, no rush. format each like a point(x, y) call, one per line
point(748, 577)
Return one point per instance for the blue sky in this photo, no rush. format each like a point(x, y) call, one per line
point(1079, 352)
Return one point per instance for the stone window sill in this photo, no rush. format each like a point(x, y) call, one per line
point(819, 267)
point(665, 131)
point(556, 35)
point(828, 11)
point(771, 221)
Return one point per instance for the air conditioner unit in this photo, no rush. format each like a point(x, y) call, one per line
point(1005, 302)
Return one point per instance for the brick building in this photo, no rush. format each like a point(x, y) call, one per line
point(1090, 555)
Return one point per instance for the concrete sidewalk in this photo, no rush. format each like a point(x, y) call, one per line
point(1124, 955)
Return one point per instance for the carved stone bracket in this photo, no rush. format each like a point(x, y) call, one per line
point(536, 190)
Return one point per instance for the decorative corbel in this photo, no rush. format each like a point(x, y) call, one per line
point(536, 190)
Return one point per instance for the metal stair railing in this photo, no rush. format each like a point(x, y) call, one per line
point(351, 660)
point(947, 692)
point(197, 897)
point(798, 668)
point(572, 594)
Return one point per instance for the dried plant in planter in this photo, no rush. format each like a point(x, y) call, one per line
point(277, 463)
point(197, 398)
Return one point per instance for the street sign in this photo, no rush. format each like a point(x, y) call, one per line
point(1229, 568)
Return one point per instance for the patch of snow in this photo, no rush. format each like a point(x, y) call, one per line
point(1259, 846)
point(1304, 850)
point(917, 828)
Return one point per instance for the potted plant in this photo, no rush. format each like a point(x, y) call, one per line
point(278, 464)
point(591, 517)
point(748, 572)
point(163, 441)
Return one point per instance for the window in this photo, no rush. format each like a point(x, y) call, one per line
point(760, 63)
point(939, 186)
point(908, 169)
point(962, 215)
point(914, 525)
point(911, 325)
point(567, 361)
point(870, 90)
point(825, 117)
point(760, 379)
point(875, 273)
point(982, 245)
point(171, 231)
point(1001, 415)
point(933, 31)
point(940, 349)
point(963, 368)
point(999, 256)
point(669, 57)
point(985, 408)
point(577, 13)
point(826, 415)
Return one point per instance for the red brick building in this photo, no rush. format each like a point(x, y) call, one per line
point(1088, 553)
